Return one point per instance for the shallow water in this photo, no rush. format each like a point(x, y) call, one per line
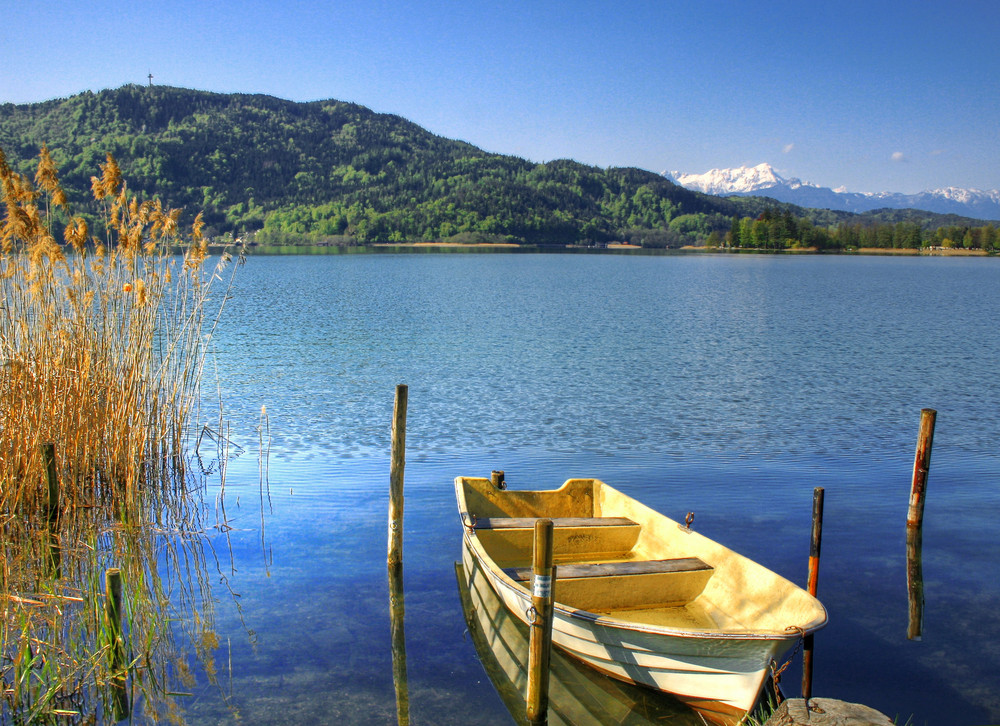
point(730, 386)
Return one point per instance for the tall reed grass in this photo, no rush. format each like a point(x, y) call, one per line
point(103, 338)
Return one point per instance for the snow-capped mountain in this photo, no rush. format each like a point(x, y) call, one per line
point(744, 180)
point(762, 180)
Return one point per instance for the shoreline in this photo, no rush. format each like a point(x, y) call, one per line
point(445, 244)
point(611, 247)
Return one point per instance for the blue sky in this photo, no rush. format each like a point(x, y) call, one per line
point(873, 96)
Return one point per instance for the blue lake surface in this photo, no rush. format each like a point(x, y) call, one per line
point(729, 386)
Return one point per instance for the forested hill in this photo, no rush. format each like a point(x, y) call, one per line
point(334, 171)
point(329, 168)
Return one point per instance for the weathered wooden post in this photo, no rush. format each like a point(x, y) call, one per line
point(116, 642)
point(915, 523)
point(396, 467)
point(54, 560)
point(52, 481)
point(921, 466)
point(395, 558)
point(540, 641)
point(497, 479)
point(812, 586)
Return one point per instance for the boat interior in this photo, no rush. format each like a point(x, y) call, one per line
point(616, 557)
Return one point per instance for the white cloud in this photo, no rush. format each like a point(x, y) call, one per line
point(788, 148)
point(899, 156)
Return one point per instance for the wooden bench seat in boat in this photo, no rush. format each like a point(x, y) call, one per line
point(529, 522)
point(609, 586)
point(509, 539)
point(606, 569)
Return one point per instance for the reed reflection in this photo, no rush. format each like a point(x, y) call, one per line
point(104, 609)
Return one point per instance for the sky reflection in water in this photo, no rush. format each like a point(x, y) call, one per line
point(730, 386)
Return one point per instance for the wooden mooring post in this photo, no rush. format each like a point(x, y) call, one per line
point(915, 523)
point(813, 586)
point(921, 466)
point(540, 640)
point(397, 609)
point(396, 467)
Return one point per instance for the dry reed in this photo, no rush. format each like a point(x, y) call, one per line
point(101, 338)
point(102, 345)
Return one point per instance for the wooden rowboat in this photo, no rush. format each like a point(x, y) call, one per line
point(639, 596)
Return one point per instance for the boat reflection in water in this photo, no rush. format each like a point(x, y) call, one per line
point(578, 695)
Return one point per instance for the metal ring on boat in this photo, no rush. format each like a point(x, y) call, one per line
point(531, 614)
point(688, 518)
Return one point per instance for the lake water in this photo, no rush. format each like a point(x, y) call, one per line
point(729, 386)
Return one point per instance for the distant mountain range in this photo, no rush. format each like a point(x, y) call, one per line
point(763, 181)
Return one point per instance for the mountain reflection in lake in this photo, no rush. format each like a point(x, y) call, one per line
point(730, 386)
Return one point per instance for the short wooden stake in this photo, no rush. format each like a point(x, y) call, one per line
point(52, 481)
point(116, 642)
point(497, 479)
point(921, 467)
point(540, 641)
point(812, 586)
point(396, 467)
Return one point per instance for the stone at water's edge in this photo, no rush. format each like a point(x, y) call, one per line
point(826, 712)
